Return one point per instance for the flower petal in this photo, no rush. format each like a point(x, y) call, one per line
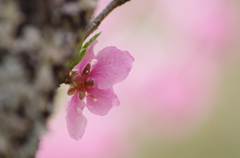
point(76, 122)
point(106, 99)
point(113, 66)
point(87, 58)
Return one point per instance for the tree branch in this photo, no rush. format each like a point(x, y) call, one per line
point(93, 25)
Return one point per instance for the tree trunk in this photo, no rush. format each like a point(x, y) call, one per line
point(38, 38)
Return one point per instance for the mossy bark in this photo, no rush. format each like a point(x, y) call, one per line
point(37, 40)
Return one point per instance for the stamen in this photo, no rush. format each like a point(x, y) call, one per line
point(90, 95)
point(71, 77)
point(86, 70)
point(71, 91)
point(74, 72)
point(89, 83)
point(82, 94)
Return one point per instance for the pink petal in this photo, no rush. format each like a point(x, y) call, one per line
point(113, 66)
point(76, 122)
point(87, 58)
point(106, 99)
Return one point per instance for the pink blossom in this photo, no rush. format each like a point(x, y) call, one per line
point(92, 85)
point(209, 25)
point(182, 91)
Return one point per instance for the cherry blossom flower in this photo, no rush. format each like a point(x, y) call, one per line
point(92, 83)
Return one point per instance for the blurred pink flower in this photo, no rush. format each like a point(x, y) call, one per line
point(93, 86)
point(210, 25)
point(182, 90)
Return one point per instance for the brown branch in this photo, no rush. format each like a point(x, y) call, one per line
point(93, 25)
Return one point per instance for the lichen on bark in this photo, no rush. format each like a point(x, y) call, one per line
point(37, 40)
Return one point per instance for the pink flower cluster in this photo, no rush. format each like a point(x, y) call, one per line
point(92, 85)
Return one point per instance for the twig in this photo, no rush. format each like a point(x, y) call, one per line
point(97, 20)
point(92, 26)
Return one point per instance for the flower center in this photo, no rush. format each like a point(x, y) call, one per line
point(80, 82)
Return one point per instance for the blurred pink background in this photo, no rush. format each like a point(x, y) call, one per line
point(182, 97)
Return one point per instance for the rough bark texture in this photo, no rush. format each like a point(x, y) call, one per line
point(37, 39)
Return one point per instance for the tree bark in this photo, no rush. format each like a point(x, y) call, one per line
point(38, 38)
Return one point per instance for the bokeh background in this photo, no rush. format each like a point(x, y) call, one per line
point(182, 97)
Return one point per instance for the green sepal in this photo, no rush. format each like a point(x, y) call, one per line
point(79, 46)
point(81, 53)
point(87, 44)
